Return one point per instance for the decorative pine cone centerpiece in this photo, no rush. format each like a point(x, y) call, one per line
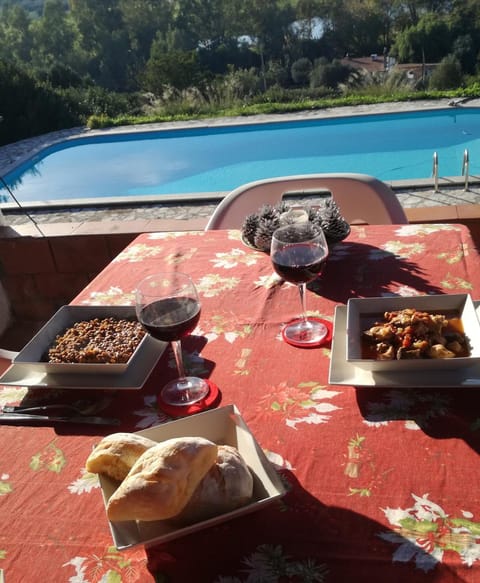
point(258, 228)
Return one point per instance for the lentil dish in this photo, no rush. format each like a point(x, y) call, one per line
point(99, 340)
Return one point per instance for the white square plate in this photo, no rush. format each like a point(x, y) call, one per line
point(33, 353)
point(362, 313)
point(23, 375)
point(342, 372)
point(224, 426)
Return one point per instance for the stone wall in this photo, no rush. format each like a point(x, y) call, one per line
point(42, 273)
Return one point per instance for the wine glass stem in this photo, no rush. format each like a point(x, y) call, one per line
point(177, 352)
point(302, 289)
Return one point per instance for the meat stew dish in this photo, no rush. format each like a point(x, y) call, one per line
point(413, 334)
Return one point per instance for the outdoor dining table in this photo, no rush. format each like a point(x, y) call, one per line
point(381, 482)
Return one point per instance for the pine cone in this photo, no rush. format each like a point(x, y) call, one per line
point(263, 235)
point(282, 207)
point(315, 215)
point(258, 228)
point(337, 231)
point(249, 228)
point(268, 212)
point(327, 216)
point(333, 224)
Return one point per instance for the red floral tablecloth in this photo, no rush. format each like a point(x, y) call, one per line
point(382, 484)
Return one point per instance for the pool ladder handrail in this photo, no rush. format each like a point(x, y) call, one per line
point(435, 172)
point(465, 170)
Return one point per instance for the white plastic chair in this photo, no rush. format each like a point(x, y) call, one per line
point(361, 199)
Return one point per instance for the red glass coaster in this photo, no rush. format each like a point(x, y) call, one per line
point(211, 400)
point(324, 340)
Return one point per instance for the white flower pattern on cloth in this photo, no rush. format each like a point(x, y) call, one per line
point(306, 403)
point(401, 249)
point(10, 395)
point(269, 281)
point(404, 291)
point(212, 285)
point(85, 483)
point(219, 331)
point(111, 567)
point(233, 258)
point(114, 296)
point(150, 414)
point(138, 253)
point(165, 235)
point(425, 531)
point(413, 230)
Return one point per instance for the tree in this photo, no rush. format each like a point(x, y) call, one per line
point(105, 41)
point(465, 50)
point(143, 21)
point(53, 36)
point(358, 27)
point(176, 69)
point(447, 74)
point(15, 36)
point(428, 41)
point(464, 24)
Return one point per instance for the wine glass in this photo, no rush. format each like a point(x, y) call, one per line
point(298, 253)
point(168, 307)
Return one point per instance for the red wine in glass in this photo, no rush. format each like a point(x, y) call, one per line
point(298, 253)
point(168, 307)
point(298, 263)
point(171, 318)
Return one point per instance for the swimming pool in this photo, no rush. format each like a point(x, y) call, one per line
point(392, 146)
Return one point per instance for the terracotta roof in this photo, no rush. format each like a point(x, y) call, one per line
point(371, 64)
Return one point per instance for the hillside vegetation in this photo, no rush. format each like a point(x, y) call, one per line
point(65, 63)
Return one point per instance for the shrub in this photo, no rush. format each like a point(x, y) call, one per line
point(327, 74)
point(29, 107)
point(447, 74)
point(301, 70)
point(241, 84)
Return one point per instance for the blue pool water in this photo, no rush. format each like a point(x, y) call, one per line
point(396, 146)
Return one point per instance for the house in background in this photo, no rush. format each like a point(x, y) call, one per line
point(376, 64)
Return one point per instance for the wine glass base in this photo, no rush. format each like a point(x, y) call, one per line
point(209, 402)
point(182, 392)
point(306, 333)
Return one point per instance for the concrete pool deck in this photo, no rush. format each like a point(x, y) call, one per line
point(422, 195)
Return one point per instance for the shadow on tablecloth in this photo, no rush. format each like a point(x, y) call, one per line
point(441, 414)
point(362, 270)
point(299, 539)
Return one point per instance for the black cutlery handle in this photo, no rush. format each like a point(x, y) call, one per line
point(27, 418)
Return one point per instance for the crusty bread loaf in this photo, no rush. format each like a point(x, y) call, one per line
point(162, 480)
point(116, 454)
point(227, 485)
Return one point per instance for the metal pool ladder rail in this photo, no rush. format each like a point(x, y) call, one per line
point(435, 171)
point(465, 165)
point(465, 170)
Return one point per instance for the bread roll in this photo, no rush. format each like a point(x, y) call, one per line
point(162, 480)
point(116, 454)
point(227, 485)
